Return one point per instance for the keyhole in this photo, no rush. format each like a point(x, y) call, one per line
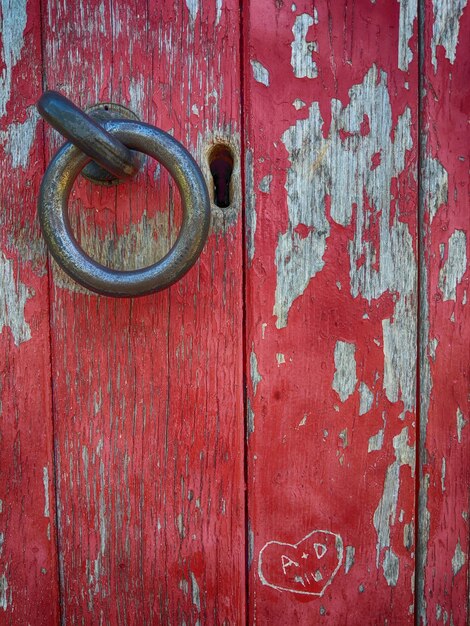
point(221, 166)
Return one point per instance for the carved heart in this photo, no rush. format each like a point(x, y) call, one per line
point(307, 567)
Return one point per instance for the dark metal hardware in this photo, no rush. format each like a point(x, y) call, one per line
point(69, 162)
point(86, 134)
point(101, 113)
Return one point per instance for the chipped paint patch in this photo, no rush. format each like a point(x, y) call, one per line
point(342, 168)
point(301, 58)
point(5, 596)
point(250, 204)
point(298, 104)
point(180, 526)
point(455, 266)
point(13, 298)
point(391, 568)
point(422, 547)
point(136, 94)
point(250, 418)
point(376, 441)
point(366, 399)
point(443, 474)
point(193, 8)
point(19, 139)
point(354, 159)
point(102, 511)
point(195, 594)
point(343, 435)
point(218, 9)
point(442, 614)
point(349, 560)
point(408, 13)
point(299, 258)
point(399, 355)
point(256, 378)
point(385, 513)
point(265, 183)
point(45, 480)
point(445, 32)
point(458, 560)
point(461, 423)
point(408, 535)
point(345, 379)
point(13, 22)
point(437, 186)
point(394, 268)
point(260, 73)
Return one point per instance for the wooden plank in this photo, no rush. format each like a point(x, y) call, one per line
point(443, 555)
point(148, 392)
point(332, 96)
point(28, 565)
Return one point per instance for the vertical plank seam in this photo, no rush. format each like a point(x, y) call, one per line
point(163, 608)
point(244, 355)
point(55, 482)
point(420, 346)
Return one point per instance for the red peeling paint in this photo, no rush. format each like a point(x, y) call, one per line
point(303, 231)
point(365, 125)
point(375, 160)
point(126, 463)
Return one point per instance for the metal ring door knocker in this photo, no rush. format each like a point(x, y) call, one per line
point(111, 144)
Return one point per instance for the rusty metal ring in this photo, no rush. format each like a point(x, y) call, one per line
point(53, 202)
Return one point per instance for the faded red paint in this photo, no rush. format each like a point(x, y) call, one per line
point(445, 404)
point(309, 468)
point(148, 392)
point(142, 400)
point(28, 566)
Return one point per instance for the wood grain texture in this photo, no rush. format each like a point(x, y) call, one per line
point(332, 102)
point(142, 400)
point(148, 394)
point(29, 592)
point(443, 557)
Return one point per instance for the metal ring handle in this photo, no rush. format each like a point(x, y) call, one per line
point(53, 201)
point(86, 134)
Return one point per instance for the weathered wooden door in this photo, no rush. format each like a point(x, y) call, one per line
point(281, 437)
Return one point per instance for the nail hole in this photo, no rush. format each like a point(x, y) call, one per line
point(106, 107)
point(221, 166)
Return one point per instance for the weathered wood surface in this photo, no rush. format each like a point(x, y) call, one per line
point(143, 399)
point(148, 404)
point(443, 592)
point(29, 592)
point(148, 393)
point(332, 103)
point(333, 202)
